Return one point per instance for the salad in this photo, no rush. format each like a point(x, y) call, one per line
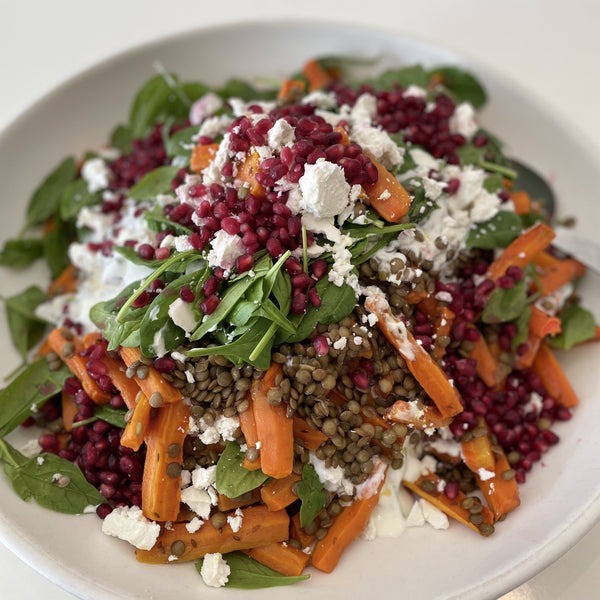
point(284, 319)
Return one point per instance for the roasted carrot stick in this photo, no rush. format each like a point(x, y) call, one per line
point(442, 324)
point(260, 527)
point(202, 156)
point(423, 368)
point(554, 272)
point(421, 418)
point(279, 493)
point(68, 346)
point(453, 508)
point(291, 90)
point(161, 482)
point(316, 75)
point(248, 427)
point(501, 492)
point(349, 524)
point(225, 503)
point(247, 174)
point(543, 324)
point(553, 377)
point(488, 366)
point(523, 250)
point(69, 410)
point(297, 532)
point(532, 344)
point(274, 429)
point(65, 283)
point(521, 201)
point(280, 557)
point(135, 431)
point(154, 381)
point(311, 438)
point(477, 454)
point(387, 195)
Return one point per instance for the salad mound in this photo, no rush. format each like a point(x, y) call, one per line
point(281, 320)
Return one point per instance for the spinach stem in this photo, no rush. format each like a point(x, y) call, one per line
point(264, 341)
point(490, 166)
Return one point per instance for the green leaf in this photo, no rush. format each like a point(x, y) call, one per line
point(405, 77)
point(577, 325)
point(56, 245)
point(20, 253)
point(45, 199)
point(493, 183)
point(311, 494)
point(231, 478)
point(75, 196)
point(249, 574)
point(505, 304)
point(463, 86)
point(421, 206)
point(181, 143)
point(497, 232)
point(53, 482)
point(121, 138)
point(27, 392)
point(154, 183)
point(105, 412)
point(177, 267)
point(522, 323)
point(238, 88)
point(25, 328)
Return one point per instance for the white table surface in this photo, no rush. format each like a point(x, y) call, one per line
point(550, 46)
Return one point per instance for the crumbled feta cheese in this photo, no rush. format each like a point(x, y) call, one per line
point(332, 478)
point(325, 191)
point(215, 570)
point(463, 120)
point(235, 520)
point(484, 474)
point(194, 525)
point(321, 99)
point(227, 427)
point(96, 174)
point(198, 500)
point(182, 315)
point(204, 107)
point(129, 524)
point(379, 144)
point(214, 126)
point(340, 344)
point(203, 477)
point(280, 135)
point(225, 248)
point(415, 516)
point(31, 448)
point(364, 109)
point(433, 515)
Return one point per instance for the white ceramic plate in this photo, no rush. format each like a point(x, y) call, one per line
point(560, 500)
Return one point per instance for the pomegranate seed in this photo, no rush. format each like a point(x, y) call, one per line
point(314, 297)
point(244, 263)
point(186, 294)
point(321, 345)
point(319, 268)
point(359, 379)
point(142, 300)
point(164, 364)
point(163, 253)
point(451, 490)
point(146, 251)
point(210, 304)
point(299, 303)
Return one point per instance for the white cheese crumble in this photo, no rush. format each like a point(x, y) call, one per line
point(96, 174)
point(182, 315)
point(325, 191)
point(204, 107)
point(332, 478)
point(280, 135)
point(235, 520)
point(379, 144)
point(215, 571)
point(198, 500)
point(194, 525)
point(129, 524)
point(463, 120)
point(225, 248)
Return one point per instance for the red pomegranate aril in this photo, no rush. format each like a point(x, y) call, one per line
point(142, 300)
point(164, 364)
point(335, 152)
point(210, 304)
point(451, 490)
point(299, 303)
point(301, 280)
point(163, 253)
point(103, 510)
point(515, 273)
point(274, 247)
point(452, 186)
point(292, 266)
point(116, 401)
point(244, 263)
point(314, 297)
point(186, 294)
point(48, 442)
point(319, 268)
point(321, 345)
point(505, 282)
point(359, 379)
point(230, 225)
point(220, 210)
point(563, 413)
point(145, 251)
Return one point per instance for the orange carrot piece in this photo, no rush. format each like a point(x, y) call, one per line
point(415, 297)
point(65, 283)
point(477, 454)
point(542, 324)
point(260, 527)
point(501, 495)
point(161, 482)
point(419, 418)
point(311, 438)
point(453, 508)
point(291, 90)
point(69, 410)
point(225, 503)
point(349, 524)
point(278, 493)
point(522, 202)
point(274, 429)
point(553, 377)
point(442, 325)
point(154, 381)
point(387, 195)
point(556, 272)
point(532, 344)
point(202, 156)
point(135, 431)
point(298, 533)
point(76, 362)
point(423, 368)
point(128, 388)
point(488, 367)
point(316, 75)
point(523, 250)
point(280, 557)
point(247, 174)
point(248, 427)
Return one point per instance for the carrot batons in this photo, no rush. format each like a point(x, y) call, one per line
point(553, 377)
point(521, 201)
point(423, 368)
point(247, 174)
point(350, 523)
point(260, 527)
point(501, 492)
point(161, 482)
point(488, 367)
point(248, 427)
point(202, 156)
point(555, 272)
point(418, 417)
point(279, 493)
point(523, 250)
point(225, 503)
point(542, 324)
point(273, 427)
point(135, 431)
point(316, 75)
point(291, 89)
point(69, 410)
point(311, 438)
point(280, 557)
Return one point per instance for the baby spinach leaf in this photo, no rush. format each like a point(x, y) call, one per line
point(105, 412)
point(249, 574)
point(231, 478)
point(497, 232)
point(405, 77)
point(20, 253)
point(522, 323)
point(25, 328)
point(238, 88)
point(56, 245)
point(421, 206)
point(311, 494)
point(493, 183)
point(53, 482)
point(180, 143)
point(28, 391)
point(177, 267)
point(121, 138)
point(75, 196)
point(577, 324)
point(154, 183)
point(505, 304)
point(158, 222)
point(45, 199)
point(463, 86)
